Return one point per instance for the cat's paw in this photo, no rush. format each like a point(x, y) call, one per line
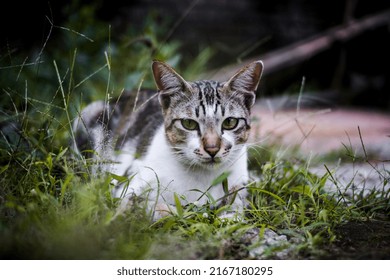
point(234, 216)
point(162, 210)
point(126, 205)
point(155, 210)
point(133, 203)
point(236, 195)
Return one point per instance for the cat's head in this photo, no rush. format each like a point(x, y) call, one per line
point(207, 122)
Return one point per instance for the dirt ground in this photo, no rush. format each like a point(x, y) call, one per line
point(361, 240)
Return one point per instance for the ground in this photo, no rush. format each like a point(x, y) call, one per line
point(363, 137)
point(361, 240)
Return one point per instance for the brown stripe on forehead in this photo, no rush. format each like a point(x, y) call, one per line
point(218, 103)
point(208, 90)
point(198, 87)
point(208, 95)
point(201, 105)
point(218, 89)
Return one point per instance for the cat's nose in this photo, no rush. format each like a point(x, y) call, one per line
point(211, 143)
point(212, 150)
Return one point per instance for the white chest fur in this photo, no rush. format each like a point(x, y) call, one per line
point(161, 174)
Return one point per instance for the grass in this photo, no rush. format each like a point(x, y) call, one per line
point(52, 207)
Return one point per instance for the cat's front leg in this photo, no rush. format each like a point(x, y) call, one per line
point(236, 198)
point(155, 210)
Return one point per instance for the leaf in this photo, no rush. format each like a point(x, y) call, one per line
point(61, 154)
point(303, 190)
point(323, 215)
point(4, 168)
point(271, 194)
point(64, 185)
point(179, 208)
point(225, 186)
point(120, 179)
point(220, 179)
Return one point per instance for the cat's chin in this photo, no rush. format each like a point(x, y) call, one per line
point(211, 163)
point(203, 164)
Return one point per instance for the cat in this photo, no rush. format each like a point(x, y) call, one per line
point(177, 140)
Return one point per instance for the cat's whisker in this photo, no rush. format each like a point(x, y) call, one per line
point(261, 141)
point(177, 152)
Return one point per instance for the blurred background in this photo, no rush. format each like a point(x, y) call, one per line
point(344, 45)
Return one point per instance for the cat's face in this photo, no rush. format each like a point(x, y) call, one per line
point(207, 122)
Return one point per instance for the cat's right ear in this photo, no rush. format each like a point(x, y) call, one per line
point(166, 78)
point(168, 82)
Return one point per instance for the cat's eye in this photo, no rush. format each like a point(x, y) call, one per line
point(230, 123)
point(189, 124)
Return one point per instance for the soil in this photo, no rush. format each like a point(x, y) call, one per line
point(361, 241)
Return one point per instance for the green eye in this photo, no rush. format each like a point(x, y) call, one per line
point(230, 123)
point(189, 124)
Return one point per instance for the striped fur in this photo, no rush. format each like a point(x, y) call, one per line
point(184, 136)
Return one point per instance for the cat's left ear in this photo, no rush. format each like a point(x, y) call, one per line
point(246, 81)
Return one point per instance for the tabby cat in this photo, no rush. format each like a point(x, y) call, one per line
point(178, 140)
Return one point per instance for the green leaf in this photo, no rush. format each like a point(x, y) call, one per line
point(120, 179)
point(306, 190)
point(61, 154)
point(220, 179)
point(271, 194)
point(4, 168)
point(179, 208)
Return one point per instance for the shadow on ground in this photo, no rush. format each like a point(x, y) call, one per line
point(361, 241)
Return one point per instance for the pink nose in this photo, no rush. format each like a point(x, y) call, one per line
point(212, 150)
point(211, 142)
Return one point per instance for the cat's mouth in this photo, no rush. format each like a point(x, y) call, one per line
point(211, 161)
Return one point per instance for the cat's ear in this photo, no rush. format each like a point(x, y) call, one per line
point(246, 81)
point(166, 78)
point(247, 78)
point(168, 82)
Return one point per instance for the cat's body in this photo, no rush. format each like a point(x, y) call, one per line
point(178, 140)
